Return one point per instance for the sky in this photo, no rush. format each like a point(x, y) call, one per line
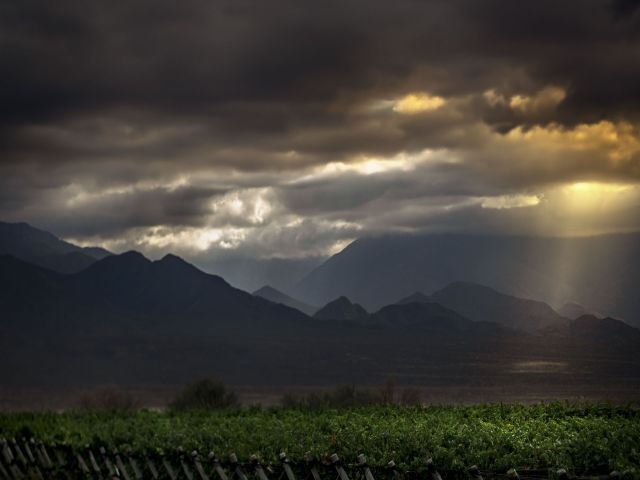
point(286, 129)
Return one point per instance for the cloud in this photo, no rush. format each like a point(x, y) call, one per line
point(234, 128)
point(418, 102)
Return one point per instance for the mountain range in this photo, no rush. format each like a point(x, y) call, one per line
point(600, 272)
point(125, 318)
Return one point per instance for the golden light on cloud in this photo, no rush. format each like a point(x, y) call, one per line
point(618, 143)
point(510, 201)
point(544, 100)
point(417, 103)
point(595, 196)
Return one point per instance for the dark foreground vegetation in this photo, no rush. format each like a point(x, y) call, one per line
point(583, 438)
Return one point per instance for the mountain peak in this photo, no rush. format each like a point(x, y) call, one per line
point(342, 309)
point(266, 290)
point(131, 255)
point(484, 304)
point(273, 295)
point(171, 258)
point(44, 249)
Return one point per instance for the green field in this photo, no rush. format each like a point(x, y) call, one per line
point(581, 438)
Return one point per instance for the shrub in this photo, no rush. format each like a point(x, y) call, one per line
point(205, 394)
point(109, 398)
point(339, 397)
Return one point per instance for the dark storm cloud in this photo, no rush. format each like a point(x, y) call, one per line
point(624, 8)
point(189, 58)
point(118, 117)
point(111, 212)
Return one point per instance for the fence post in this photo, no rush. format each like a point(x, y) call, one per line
point(362, 463)
point(432, 471)
point(151, 467)
point(286, 466)
point(198, 466)
point(335, 460)
point(112, 471)
point(236, 468)
point(185, 468)
point(83, 465)
point(258, 470)
point(133, 463)
point(167, 466)
point(120, 466)
point(94, 465)
point(474, 473)
point(312, 463)
point(217, 467)
point(391, 467)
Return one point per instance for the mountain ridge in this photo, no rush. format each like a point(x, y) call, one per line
point(43, 248)
point(272, 294)
point(376, 271)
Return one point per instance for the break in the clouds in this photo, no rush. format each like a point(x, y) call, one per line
point(287, 129)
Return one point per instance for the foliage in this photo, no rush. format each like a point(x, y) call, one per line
point(340, 397)
point(351, 396)
point(108, 398)
point(579, 437)
point(205, 394)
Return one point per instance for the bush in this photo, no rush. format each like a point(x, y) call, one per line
point(339, 397)
point(205, 394)
point(109, 398)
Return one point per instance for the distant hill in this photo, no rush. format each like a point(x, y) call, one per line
point(600, 271)
point(342, 309)
point(412, 316)
point(574, 310)
point(45, 249)
point(592, 328)
point(427, 315)
point(484, 304)
point(277, 296)
point(603, 329)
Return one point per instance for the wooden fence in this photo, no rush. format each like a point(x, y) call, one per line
point(28, 459)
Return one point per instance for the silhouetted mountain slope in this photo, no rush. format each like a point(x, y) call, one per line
point(600, 271)
point(45, 249)
point(342, 309)
point(417, 297)
point(426, 315)
point(594, 329)
point(36, 302)
point(276, 296)
point(129, 293)
point(483, 304)
point(249, 274)
point(603, 329)
point(132, 321)
point(572, 310)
